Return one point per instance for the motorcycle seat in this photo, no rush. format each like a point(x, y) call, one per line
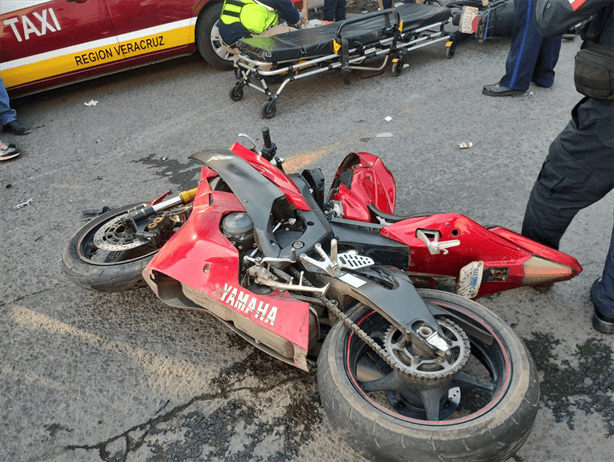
point(393, 218)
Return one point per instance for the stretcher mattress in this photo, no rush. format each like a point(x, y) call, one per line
point(318, 41)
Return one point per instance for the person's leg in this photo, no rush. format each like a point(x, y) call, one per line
point(230, 49)
point(7, 114)
point(543, 74)
point(340, 11)
point(526, 43)
point(577, 172)
point(329, 10)
point(276, 30)
point(602, 292)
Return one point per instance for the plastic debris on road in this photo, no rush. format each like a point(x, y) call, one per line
point(384, 135)
point(23, 204)
point(91, 103)
point(465, 145)
point(388, 119)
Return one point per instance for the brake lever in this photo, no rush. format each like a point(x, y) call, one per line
point(243, 135)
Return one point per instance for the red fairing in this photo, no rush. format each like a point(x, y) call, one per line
point(539, 250)
point(273, 174)
point(369, 182)
point(201, 257)
point(497, 248)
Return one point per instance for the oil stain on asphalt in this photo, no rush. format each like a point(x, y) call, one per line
point(229, 422)
point(182, 175)
point(588, 387)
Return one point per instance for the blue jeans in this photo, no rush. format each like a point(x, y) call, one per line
point(7, 114)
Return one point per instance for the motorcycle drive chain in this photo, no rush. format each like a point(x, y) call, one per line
point(332, 305)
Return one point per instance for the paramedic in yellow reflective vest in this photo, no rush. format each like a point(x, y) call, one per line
point(245, 18)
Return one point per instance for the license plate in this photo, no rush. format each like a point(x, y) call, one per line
point(470, 279)
point(466, 22)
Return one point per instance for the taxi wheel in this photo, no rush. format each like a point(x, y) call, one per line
point(208, 39)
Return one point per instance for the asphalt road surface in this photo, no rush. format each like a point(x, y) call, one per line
point(89, 377)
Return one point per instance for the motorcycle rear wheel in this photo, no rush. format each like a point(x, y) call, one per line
point(497, 393)
point(98, 270)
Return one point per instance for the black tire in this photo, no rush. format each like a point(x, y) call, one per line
point(450, 51)
point(397, 67)
point(236, 92)
point(269, 109)
point(100, 271)
point(391, 426)
point(208, 40)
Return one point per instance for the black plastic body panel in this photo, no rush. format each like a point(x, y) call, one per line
point(367, 240)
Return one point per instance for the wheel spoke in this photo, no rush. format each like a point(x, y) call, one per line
point(216, 43)
point(431, 400)
point(380, 333)
point(390, 382)
point(222, 52)
point(462, 378)
point(367, 368)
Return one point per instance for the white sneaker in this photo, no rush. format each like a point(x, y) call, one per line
point(8, 152)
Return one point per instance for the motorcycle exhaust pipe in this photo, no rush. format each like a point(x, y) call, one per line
point(541, 271)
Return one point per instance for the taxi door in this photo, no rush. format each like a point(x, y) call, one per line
point(147, 26)
point(53, 39)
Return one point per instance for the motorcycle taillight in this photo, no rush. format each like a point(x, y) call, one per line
point(540, 271)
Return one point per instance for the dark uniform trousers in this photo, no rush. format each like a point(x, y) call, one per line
point(531, 57)
point(578, 171)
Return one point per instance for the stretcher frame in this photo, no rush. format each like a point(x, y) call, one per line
point(394, 44)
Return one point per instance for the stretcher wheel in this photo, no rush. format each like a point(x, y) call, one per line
point(397, 67)
point(269, 109)
point(450, 50)
point(236, 92)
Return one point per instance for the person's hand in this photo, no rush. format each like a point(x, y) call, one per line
point(299, 22)
point(305, 14)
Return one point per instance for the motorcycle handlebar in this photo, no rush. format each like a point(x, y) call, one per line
point(269, 150)
point(266, 136)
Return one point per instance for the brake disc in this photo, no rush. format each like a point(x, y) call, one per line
point(114, 236)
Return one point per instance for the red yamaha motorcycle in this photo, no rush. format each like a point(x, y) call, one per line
point(405, 371)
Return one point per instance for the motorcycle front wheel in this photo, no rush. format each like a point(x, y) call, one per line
point(105, 256)
point(480, 407)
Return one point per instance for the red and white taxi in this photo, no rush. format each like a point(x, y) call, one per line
point(49, 43)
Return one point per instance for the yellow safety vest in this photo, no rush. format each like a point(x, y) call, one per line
point(254, 16)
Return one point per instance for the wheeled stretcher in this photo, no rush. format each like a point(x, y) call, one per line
point(342, 46)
